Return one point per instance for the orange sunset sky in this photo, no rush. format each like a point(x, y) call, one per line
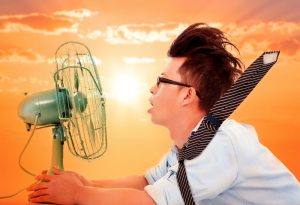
point(129, 41)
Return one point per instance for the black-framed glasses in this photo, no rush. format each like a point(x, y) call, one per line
point(166, 80)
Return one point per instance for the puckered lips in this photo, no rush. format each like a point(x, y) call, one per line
point(151, 103)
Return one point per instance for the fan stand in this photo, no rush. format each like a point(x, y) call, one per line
point(57, 148)
point(57, 151)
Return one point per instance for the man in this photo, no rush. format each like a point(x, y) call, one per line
point(234, 168)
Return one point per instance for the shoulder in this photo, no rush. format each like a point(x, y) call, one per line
point(233, 125)
point(234, 139)
point(226, 142)
point(237, 131)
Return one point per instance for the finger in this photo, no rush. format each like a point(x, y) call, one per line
point(44, 198)
point(44, 177)
point(44, 172)
point(41, 185)
point(38, 193)
point(71, 172)
point(57, 171)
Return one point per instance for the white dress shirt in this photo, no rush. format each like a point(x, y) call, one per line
point(233, 169)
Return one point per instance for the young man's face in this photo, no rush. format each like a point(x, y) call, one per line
point(165, 99)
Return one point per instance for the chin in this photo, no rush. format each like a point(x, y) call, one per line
point(157, 121)
point(153, 119)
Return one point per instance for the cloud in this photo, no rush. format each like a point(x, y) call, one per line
point(288, 46)
point(142, 33)
point(4, 79)
point(92, 35)
point(284, 36)
point(77, 13)
point(249, 38)
point(36, 81)
point(13, 90)
point(15, 85)
point(17, 55)
point(48, 24)
point(135, 60)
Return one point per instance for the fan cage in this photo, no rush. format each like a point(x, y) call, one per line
point(81, 103)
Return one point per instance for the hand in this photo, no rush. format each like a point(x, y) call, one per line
point(84, 181)
point(60, 188)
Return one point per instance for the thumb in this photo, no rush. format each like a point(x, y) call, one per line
point(44, 172)
point(57, 171)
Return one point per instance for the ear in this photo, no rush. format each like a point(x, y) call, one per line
point(189, 96)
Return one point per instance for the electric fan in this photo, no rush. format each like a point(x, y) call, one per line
point(75, 108)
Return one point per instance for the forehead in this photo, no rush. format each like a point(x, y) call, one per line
point(171, 70)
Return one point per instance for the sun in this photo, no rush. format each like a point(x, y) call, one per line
point(125, 88)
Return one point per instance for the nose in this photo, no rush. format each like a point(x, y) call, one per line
point(153, 89)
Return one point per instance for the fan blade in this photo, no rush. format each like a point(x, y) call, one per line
point(79, 62)
point(76, 80)
point(91, 130)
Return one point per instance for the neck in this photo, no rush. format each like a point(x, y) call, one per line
point(180, 130)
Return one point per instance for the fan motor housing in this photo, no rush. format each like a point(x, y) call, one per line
point(43, 104)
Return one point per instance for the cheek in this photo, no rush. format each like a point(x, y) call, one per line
point(166, 99)
point(161, 97)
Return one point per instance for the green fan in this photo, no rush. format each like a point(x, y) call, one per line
point(75, 108)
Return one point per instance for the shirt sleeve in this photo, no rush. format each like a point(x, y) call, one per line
point(165, 191)
point(161, 169)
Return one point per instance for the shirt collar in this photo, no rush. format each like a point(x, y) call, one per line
point(197, 126)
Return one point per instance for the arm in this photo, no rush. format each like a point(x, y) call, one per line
point(68, 188)
point(116, 196)
point(135, 182)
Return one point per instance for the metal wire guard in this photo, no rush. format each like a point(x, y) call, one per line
point(81, 103)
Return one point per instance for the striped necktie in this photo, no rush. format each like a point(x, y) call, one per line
point(222, 109)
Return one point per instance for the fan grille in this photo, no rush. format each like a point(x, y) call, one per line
point(80, 101)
